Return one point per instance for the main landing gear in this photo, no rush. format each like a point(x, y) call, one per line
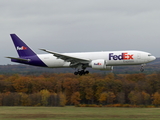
point(82, 72)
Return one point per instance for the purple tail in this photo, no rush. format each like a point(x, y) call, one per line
point(22, 49)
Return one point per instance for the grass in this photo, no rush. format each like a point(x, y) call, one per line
point(78, 113)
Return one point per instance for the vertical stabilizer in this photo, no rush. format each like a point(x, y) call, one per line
point(22, 49)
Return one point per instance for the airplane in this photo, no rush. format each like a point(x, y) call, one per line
point(104, 60)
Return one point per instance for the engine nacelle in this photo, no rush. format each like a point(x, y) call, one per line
point(100, 64)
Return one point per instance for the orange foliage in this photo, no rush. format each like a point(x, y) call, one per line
point(75, 98)
point(156, 99)
point(62, 89)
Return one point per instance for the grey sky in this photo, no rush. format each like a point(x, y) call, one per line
point(80, 25)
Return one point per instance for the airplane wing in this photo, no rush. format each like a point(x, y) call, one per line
point(73, 60)
point(21, 59)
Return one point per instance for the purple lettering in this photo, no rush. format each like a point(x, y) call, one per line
point(110, 56)
point(123, 56)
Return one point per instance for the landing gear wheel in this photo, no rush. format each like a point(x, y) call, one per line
point(142, 69)
point(82, 72)
point(87, 72)
point(75, 73)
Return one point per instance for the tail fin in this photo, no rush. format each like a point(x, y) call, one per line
point(22, 49)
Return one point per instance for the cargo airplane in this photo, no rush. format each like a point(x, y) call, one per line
point(104, 60)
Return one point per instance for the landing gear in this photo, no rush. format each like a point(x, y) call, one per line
point(82, 72)
point(142, 67)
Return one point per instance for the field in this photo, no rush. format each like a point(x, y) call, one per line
point(78, 113)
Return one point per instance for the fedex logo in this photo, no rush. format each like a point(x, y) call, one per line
point(97, 64)
point(123, 56)
point(21, 48)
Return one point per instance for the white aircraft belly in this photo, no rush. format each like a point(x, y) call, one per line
point(52, 61)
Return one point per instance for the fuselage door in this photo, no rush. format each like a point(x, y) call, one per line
point(139, 56)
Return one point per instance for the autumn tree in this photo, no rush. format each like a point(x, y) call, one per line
point(44, 97)
point(35, 99)
point(111, 97)
point(120, 97)
point(153, 81)
point(1, 99)
point(87, 85)
point(156, 99)
point(62, 100)
point(103, 98)
point(24, 99)
point(22, 84)
point(107, 97)
point(53, 100)
point(136, 77)
point(75, 98)
point(70, 86)
point(135, 97)
point(146, 98)
point(9, 99)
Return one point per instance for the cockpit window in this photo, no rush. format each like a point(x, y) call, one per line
point(149, 55)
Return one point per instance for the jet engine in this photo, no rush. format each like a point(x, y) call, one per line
point(100, 64)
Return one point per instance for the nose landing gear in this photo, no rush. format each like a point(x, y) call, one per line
point(142, 67)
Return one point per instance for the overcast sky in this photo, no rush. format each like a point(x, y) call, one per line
point(80, 25)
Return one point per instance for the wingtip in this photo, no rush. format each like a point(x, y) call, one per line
point(7, 57)
point(42, 49)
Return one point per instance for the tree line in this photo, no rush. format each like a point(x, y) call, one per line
point(67, 89)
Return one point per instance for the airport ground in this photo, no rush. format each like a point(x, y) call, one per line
point(78, 113)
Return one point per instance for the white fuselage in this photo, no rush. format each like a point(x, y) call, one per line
point(113, 58)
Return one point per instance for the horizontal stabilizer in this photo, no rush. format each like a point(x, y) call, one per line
point(21, 59)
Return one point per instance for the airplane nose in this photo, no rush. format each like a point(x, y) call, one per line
point(153, 58)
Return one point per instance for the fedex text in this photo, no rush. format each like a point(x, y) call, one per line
point(97, 64)
point(21, 48)
point(123, 56)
